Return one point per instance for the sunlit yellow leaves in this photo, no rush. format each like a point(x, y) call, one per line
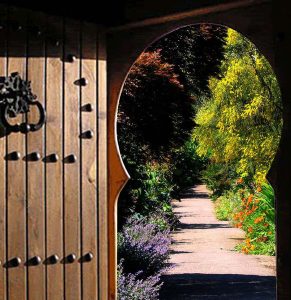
point(241, 121)
point(253, 107)
point(232, 37)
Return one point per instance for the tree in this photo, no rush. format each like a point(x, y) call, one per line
point(196, 53)
point(155, 113)
point(240, 124)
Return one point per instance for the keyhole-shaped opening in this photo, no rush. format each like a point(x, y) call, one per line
point(199, 124)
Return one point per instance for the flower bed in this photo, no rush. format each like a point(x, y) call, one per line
point(254, 212)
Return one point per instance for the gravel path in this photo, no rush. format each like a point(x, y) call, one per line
point(204, 265)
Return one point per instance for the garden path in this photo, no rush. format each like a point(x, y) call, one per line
point(204, 264)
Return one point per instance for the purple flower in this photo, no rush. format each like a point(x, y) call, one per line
point(130, 287)
point(143, 248)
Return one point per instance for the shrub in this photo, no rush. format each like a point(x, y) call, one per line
point(149, 191)
point(253, 211)
point(143, 247)
point(218, 178)
point(154, 108)
point(159, 219)
point(165, 220)
point(131, 287)
point(187, 166)
point(257, 219)
point(226, 205)
point(154, 191)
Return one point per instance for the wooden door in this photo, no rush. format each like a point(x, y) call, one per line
point(53, 180)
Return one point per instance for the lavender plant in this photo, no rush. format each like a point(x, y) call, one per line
point(130, 287)
point(143, 247)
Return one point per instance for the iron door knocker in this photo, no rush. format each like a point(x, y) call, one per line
point(16, 98)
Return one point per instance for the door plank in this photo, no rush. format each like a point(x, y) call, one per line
point(71, 170)
point(3, 66)
point(54, 170)
point(16, 186)
point(102, 169)
point(35, 169)
point(89, 162)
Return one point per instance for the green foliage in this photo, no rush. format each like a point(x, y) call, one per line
point(154, 189)
point(218, 178)
point(266, 198)
point(227, 205)
point(148, 194)
point(186, 166)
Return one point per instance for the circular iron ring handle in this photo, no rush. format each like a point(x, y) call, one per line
point(42, 116)
point(24, 127)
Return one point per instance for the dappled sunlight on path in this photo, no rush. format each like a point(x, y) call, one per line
point(204, 264)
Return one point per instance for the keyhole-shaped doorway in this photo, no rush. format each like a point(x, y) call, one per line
point(200, 107)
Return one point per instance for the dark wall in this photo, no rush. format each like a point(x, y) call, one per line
point(282, 37)
point(115, 12)
point(111, 13)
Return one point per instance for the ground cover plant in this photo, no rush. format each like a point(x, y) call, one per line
point(143, 251)
point(131, 287)
point(143, 247)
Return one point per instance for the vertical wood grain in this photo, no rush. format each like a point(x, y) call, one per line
point(88, 167)
point(54, 170)
point(56, 220)
point(35, 169)
point(16, 191)
point(72, 147)
point(102, 170)
point(3, 65)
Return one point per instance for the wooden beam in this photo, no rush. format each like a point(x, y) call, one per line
point(198, 12)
